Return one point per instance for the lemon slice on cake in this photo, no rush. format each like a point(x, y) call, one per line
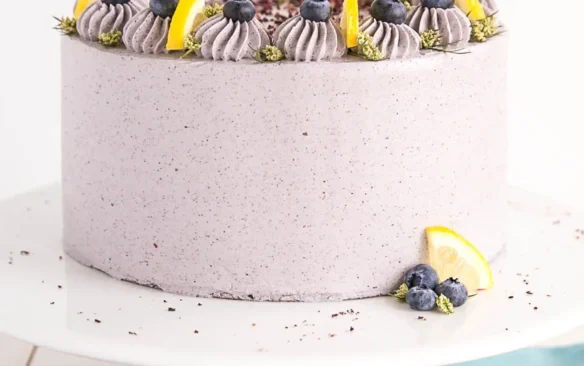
point(451, 255)
point(350, 22)
point(471, 8)
point(80, 6)
point(184, 20)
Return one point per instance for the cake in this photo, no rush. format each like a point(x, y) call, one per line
point(311, 178)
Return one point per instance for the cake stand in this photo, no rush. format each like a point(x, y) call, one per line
point(52, 301)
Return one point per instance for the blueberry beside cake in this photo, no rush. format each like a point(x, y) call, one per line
point(249, 151)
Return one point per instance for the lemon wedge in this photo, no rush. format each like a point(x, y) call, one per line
point(451, 255)
point(81, 5)
point(471, 8)
point(183, 22)
point(350, 22)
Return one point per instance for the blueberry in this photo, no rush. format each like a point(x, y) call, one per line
point(239, 10)
point(422, 274)
point(316, 10)
point(442, 4)
point(115, 2)
point(389, 11)
point(163, 8)
point(421, 298)
point(454, 290)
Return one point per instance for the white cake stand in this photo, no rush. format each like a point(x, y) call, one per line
point(92, 315)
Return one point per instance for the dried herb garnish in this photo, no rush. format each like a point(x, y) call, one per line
point(171, 309)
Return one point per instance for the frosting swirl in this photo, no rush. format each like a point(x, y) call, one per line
point(452, 25)
point(228, 40)
point(393, 40)
point(305, 40)
point(101, 18)
point(146, 33)
point(490, 6)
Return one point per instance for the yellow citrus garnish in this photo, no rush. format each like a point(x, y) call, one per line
point(451, 255)
point(472, 8)
point(80, 6)
point(350, 22)
point(183, 22)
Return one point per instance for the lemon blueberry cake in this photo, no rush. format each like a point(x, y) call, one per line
point(280, 152)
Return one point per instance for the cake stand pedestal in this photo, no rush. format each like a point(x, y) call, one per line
point(52, 301)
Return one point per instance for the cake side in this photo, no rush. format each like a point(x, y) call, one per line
point(279, 182)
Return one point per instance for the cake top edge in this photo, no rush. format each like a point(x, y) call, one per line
point(275, 31)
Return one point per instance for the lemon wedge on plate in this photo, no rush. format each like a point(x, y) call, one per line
point(81, 5)
point(451, 255)
point(183, 22)
point(471, 8)
point(350, 22)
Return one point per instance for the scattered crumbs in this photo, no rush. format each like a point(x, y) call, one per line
point(199, 304)
point(332, 335)
point(24, 252)
point(334, 315)
point(155, 245)
point(510, 297)
point(518, 274)
point(80, 312)
point(171, 309)
point(318, 311)
point(535, 308)
point(253, 324)
point(355, 319)
point(304, 133)
point(179, 299)
point(52, 303)
point(351, 329)
point(164, 301)
point(196, 331)
point(42, 281)
point(132, 333)
point(59, 286)
point(557, 222)
point(529, 293)
point(421, 318)
point(548, 295)
point(506, 328)
point(97, 321)
point(285, 327)
point(295, 325)
point(60, 257)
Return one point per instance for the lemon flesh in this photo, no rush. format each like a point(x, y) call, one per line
point(350, 22)
point(471, 8)
point(183, 23)
point(80, 6)
point(451, 255)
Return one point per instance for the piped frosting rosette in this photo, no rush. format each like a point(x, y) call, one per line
point(393, 40)
point(228, 40)
point(312, 35)
point(388, 33)
point(452, 25)
point(490, 6)
point(232, 35)
point(147, 32)
point(105, 16)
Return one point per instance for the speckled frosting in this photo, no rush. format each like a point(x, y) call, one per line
point(101, 18)
point(224, 39)
point(393, 40)
point(284, 181)
point(146, 33)
point(452, 24)
point(305, 40)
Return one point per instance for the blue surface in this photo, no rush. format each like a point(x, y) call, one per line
point(565, 356)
